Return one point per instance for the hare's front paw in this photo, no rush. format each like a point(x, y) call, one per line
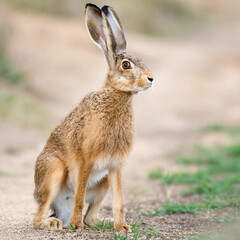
point(51, 224)
point(77, 224)
point(122, 227)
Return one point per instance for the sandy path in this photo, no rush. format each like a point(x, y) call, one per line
point(196, 82)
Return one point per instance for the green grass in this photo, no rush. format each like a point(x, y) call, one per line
point(233, 150)
point(136, 228)
point(214, 156)
point(216, 181)
point(137, 231)
point(223, 188)
point(18, 107)
point(102, 226)
point(171, 208)
point(218, 175)
point(2, 174)
point(218, 127)
point(179, 177)
point(119, 236)
point(200, 156)
point(193, 207)
point(7, 72)
point(151, 233)
point(71, 227)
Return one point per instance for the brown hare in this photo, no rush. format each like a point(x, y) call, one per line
point(84, 155)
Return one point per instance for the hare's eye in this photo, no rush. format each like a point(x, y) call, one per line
point(126, 65)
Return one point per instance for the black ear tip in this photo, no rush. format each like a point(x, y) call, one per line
point(90, 5)
point(105, 9)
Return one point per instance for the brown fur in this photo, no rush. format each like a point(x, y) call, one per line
point(99, 128)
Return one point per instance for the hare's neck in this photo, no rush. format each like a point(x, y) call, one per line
point(117, 100)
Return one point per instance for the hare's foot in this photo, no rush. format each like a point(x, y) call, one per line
point(76, 221)
point(92, 220)
point(123, 227)
point(51, 223)
point(76, 225)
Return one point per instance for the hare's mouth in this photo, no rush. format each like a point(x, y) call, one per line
point(143, 89)
point(150, 85)
point(146, 88)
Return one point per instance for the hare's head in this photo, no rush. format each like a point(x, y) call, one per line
point(126, 73)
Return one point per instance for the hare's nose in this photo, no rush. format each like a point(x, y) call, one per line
point(150, 79)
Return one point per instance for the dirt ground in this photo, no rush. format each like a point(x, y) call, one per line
point(196, 83)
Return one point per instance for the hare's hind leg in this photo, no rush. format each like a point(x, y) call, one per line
point(94, 197)
point(49, 176)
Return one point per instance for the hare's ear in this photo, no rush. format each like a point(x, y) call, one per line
point(116, 33)
point(94, 23)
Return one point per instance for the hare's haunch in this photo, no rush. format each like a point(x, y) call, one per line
point(84, 155)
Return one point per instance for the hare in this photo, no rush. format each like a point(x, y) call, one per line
point(84, 155)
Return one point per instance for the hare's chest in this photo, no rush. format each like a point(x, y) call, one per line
point(118, 136)
point(108, 136)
